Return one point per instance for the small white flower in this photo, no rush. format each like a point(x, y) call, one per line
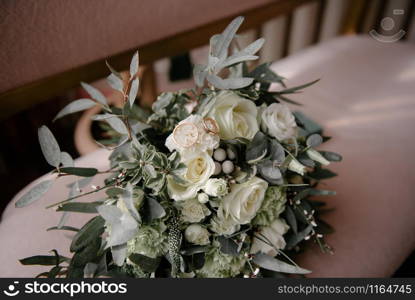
point(243, 201)
point(193, 211)
point(279, 122)
point(216, 187)
point(196, 234)
point(236, 116)
point(296, 167)
point(315, 155)
point(202, 198)
point(194, 133)
point(272, 235)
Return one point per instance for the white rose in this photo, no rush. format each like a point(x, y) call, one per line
point(194, 133)
point(197, 234)
point(279, 122)
point(236, 116)
point(273, 234)
point(193, 211)
point(216, 187)
point(200, 166)
point(243, 201)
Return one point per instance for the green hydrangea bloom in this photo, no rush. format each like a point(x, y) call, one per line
point(220, 265)
point(272, 206)
point(151, 240)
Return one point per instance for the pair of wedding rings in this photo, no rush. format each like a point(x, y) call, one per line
point(186, 134)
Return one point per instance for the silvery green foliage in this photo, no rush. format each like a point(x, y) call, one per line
point(138, 230)
point(219, 59)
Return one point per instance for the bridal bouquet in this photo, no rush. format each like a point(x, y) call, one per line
point(217, 181)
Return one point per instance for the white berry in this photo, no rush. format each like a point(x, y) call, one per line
point(227, 167)
point(231, 153)
point(219, 154)
point(218, 168)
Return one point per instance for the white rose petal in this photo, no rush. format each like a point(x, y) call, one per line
point(196, 234)
point(236, 116)
point(279, 122)
point(243, 201)
point(273, 235)
point(216, 187)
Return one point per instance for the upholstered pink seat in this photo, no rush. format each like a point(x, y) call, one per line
point(365, 100)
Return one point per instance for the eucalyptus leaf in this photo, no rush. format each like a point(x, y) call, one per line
point(118, 125)
point(297, 238)
point(90, 269)
point(331, 156)
point(35, 193)
point(80, 207)
point(257, 149)
point(75, 106)
point(115, 82)
point(69, 228)
point(270, 172)
point(270, 263)
point(66, 159)
point(50, 147)
point(43, 260)
point(199, 74)
point(89, 232)
point(230, 83)
point(119, 254)
point(147, 264)
point(132, 95)
point(291, 219)
point(223, 40)
point(84, 172)
point(153, 210)
point(314, 140)
point(95, 93)
point(134, 65)
point(228, 246)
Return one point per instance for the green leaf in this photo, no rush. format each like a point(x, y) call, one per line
point(321, 174)
point(228, 246)
point(66, 159)
point(114, 192)
point(84, 172)
point(148, 264)
point(118, 125)
point(69, 228)
point(270, 172)
point(309, 125)
point(314, 140)
point(134, 65)
point(331, 156)
point(199, 74)
point(113, 71)
point(43, 260)
point(115, 82)
point(49, 146)
point(75, 106)
point(257, 148)
point(297, 238)
point(291, 219)
point(263, 73)
point(95, 93)
point(153, 210)
point(316, 192)
point(270, 263)
point(132, 95)
point(230, 83)
point(297, 88)
point(90, 231)
point(81, 207)
point(34, 193)
point(223, 41)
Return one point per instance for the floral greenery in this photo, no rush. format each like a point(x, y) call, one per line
point(218, 181)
